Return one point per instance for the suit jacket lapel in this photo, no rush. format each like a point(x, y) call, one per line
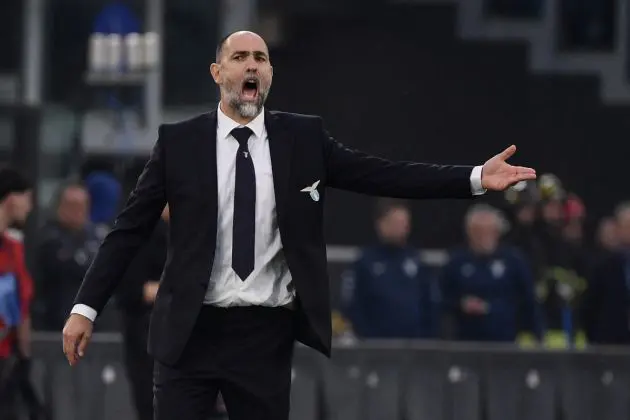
point(280, 146)
point(207, 159)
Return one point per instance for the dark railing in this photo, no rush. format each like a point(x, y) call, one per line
point(380, 381)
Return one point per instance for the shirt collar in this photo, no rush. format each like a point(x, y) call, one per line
point(225, 124)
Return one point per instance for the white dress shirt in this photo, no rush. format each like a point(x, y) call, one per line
point(269, 284)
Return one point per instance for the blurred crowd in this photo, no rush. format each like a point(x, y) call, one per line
point(526, 273)
point(40, 297)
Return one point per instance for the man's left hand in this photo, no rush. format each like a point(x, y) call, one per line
point(498, 175)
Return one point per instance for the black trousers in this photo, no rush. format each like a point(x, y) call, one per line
point(138, 363)
point(245, 353)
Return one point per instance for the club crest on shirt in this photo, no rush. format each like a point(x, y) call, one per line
point(410, 267)
point(312, 190)
point(498, 268)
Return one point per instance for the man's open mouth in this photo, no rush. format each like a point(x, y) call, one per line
point(250, 89)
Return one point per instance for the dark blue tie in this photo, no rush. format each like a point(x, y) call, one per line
point(244, 207)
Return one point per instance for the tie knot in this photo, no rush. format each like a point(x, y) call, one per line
point(241, 135)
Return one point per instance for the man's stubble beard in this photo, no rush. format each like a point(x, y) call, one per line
point(246, 109)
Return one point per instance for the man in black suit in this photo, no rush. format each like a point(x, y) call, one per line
point(246, 271)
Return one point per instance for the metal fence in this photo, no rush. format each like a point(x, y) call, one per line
point(380, 381)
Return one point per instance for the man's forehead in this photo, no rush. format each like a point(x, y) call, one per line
point(248, 42)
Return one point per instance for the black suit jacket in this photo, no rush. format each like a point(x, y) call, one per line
point(146, 266)
point(182, 171)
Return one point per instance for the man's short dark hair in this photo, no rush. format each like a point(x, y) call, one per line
point(12, 181)
point(385, 205)
point(220, 45)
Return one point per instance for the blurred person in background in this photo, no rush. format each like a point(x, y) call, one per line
point(135, 298)
point(573, 232)
point(487, 288)
point(552, 220)
point(69, 242)
point(606, 304)
point(16, 293)
point(563, 280)
point(606, 237)
point(574, 216)
point(389, 293)
point(525, 234)
point(105, 192)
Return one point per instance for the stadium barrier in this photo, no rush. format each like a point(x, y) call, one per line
point(379, 380)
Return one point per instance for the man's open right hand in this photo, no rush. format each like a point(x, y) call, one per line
point(76, 336)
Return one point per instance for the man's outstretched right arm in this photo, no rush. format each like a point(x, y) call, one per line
point(130, 230)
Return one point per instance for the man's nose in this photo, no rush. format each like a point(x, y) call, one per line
point(252, 65)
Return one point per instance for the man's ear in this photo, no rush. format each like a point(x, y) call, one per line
point(215, 71)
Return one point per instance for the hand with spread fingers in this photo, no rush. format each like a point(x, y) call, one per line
point(497, 174)
point(76, 336)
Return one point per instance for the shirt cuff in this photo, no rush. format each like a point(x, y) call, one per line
point(475, 181)
point(84, 310)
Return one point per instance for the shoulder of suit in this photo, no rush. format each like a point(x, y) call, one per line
point(182, 126)
point(294, 116)
point(293, 119)
point(282, 115)
point(185, 123)
point(289, 118)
